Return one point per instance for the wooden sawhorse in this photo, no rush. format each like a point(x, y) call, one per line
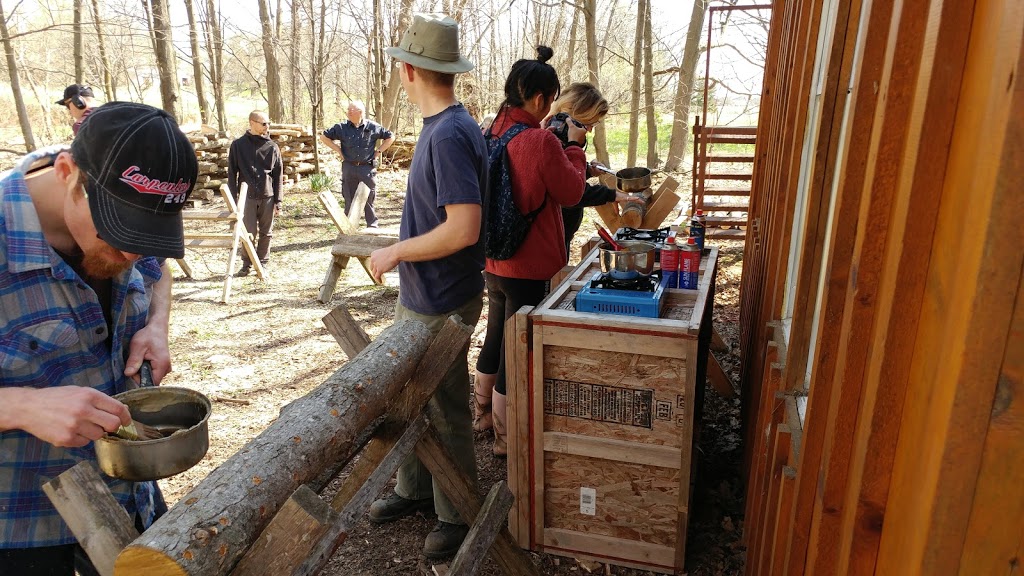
point(350, 243)
point(238, 235)
point(203, 532)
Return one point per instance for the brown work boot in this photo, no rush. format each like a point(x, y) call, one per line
point(444, 540)
point(394, 507)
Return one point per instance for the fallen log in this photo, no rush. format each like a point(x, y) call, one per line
point(214, 524)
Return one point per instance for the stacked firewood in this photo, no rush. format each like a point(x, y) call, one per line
point(295, 141)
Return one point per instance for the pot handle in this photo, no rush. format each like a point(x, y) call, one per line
point(146, 374)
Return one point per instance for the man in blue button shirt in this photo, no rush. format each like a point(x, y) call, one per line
point(358, 150)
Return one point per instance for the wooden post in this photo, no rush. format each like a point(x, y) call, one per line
point(287, 540)
point(481, 536)
point(459, 488)
point(719, 379)
point(349, 334)
point(449, 343)
point(94, 516)
point(663, 202)
point(212, 527)
point(321, 552)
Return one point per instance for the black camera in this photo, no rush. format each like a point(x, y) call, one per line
point(559, 124)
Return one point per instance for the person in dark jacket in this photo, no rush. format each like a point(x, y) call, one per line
point(256, 160)
point(584, 102)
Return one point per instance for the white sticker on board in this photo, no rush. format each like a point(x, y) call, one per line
point(588, 501)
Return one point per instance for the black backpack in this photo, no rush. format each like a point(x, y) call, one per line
point(505, 227)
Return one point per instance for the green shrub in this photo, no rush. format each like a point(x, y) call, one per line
point(319, 182)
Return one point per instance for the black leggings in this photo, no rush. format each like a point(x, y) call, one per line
point(505, 296)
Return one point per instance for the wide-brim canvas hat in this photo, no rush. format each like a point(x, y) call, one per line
point(140, 170)
point(432, 43)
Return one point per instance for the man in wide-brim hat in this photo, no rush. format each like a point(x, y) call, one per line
point(439, 256)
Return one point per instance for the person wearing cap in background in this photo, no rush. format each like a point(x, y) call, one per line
point(256, 160)
point(359, 154)
point(439, 256)
point(78, 100)
point(84, 299)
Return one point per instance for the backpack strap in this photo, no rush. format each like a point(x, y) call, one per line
point(495, 144)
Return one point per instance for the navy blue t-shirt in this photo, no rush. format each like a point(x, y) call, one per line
point(449, 166)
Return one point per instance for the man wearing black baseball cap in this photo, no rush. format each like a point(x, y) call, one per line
point(78, 99)
point(84, 299)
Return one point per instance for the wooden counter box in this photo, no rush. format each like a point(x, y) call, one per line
point(601, 424)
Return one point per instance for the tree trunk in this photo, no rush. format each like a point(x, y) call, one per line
point(275, 100)
point(12, 71)
point(79, 56)
point(43, 101)
point(590, 19)
point(390, 108)
point(213, 526)
point(684, 88)
point(376, 66)
point(634, 91)
point(317, 63)
point(197, 63)
point(277, 22)
point(652, 121)
point(607, 30)
point(215, 47)
point(166, 63)
point(293, 93)
point(109, 91)
point(570, 55)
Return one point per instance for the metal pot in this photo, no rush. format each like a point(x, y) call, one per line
point(635, 259)
point(629, 179)
point(179, 412)
point(633, 179)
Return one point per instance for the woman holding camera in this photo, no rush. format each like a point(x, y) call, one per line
point(583, 102)
point(546, 175)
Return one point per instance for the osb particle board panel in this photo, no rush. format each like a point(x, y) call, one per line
point(603, 394)
point(632, 502)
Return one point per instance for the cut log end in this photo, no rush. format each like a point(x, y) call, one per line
point(141, 560)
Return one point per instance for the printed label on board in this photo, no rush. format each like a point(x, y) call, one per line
point(588, 501)
point(630, 406)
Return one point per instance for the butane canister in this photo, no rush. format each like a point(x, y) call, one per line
point(689, 264)
point(670, 263)
point(698, 226)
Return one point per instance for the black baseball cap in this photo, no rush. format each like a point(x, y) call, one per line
point(140, 169)
point(75, 90)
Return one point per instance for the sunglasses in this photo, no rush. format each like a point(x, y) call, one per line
point(260, 123)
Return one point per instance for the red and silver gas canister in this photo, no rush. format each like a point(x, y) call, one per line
point(670, 263)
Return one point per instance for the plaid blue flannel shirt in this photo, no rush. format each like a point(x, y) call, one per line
point(53, 333)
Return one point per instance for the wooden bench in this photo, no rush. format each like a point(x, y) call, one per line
point(351, 242)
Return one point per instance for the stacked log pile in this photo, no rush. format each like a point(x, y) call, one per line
point(295, 141)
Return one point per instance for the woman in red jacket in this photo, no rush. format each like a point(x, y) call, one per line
point(543, 172)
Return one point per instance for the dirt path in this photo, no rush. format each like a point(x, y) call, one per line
point(269, 347)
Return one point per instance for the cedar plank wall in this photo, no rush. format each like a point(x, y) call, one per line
point(912, 254)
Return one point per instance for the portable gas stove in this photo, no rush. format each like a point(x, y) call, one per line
point(640, 297)
point(656, 237)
